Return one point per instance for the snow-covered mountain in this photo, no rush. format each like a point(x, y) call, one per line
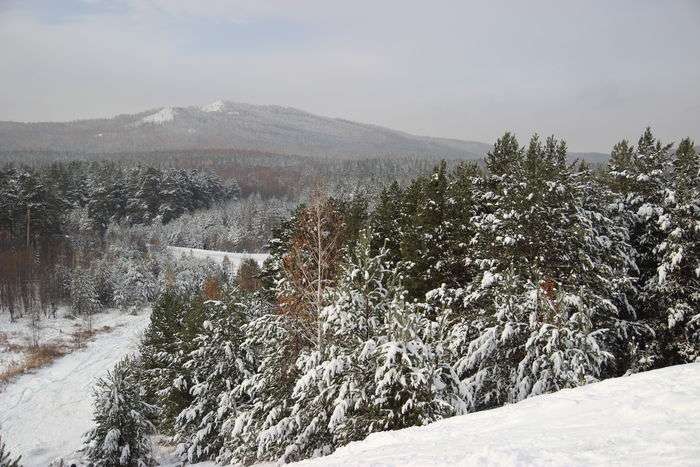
point(225, 125)
point(646, 419)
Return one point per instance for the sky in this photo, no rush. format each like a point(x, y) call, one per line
point(592, 72)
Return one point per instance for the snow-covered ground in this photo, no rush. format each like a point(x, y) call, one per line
point(44, 414)
point(235, 259)
point(649, 419)
point(16, 337)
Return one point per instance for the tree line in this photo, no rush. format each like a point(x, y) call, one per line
point(54, 222)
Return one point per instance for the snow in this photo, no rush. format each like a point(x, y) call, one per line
point(44, 414)
point(218, 256)
point(645, 419)
point(216, 106)
point(165, 115)
point(14, 337)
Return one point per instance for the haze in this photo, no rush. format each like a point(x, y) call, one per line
point(591, 72)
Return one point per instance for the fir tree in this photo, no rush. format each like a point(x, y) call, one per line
point(122, 424)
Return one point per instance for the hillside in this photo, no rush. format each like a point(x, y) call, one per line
point(222, 124)
point(644, 419)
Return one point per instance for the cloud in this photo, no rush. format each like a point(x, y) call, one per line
point(591, 72)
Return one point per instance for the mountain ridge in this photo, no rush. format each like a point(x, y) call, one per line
point(227, 125)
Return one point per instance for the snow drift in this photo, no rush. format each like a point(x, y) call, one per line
point(650, 418)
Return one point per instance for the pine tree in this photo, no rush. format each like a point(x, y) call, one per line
point(217, 366)
point(640, 177)
point(164, 349)
point(550, 269)
point(122, 426)
point(275, 340)
point(133, 284)
point(83, 294)
point(6, 459)
point(679, 271)
point(379, 368)
point(385, 222)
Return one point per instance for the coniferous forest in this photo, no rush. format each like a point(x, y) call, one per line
point(470, 287)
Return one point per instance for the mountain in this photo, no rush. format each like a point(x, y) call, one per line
point(644, 419)
point(223, 125)
point(231, 125)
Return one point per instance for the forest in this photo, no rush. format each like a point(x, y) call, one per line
point(469, 287)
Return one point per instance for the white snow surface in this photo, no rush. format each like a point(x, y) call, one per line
point(235, 259)
point(648, 419)
point(216, 106)
point(44, 414)
point(164, 115)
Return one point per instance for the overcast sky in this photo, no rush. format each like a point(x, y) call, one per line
point(589, 71)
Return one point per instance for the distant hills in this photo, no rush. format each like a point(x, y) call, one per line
point(226, 125)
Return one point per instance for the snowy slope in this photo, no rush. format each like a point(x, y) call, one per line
point(647, 419)
point(218, 256)
point(44, 414)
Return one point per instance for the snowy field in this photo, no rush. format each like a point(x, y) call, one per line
point(649, 419)
point(43, 414)
point(218, 256)
point(60, 331)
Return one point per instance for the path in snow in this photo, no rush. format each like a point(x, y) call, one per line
point(44, 414)
point(648, 419)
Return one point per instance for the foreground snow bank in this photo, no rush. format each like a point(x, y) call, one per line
point(650, 418)
point(44, 414)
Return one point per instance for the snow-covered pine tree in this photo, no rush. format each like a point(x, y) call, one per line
point(275, 341)
point(84, 299)
point(122, 420)
point(217, 366)
point(6, 457)
point(549, 275)
point(164, 348)
point(378, 369)
point(134, 285)
point(679, 271)
point(385, 222)
point(412, 385)
point(331, 378)
point(305, 263)
point(641, 177)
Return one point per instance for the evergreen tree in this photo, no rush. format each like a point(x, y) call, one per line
point(679, 271)
point(122, 426)
point(385, 222)
point(550, 270)
point(640, 176)
point(378, 370)
point(275, 340)
point(175, 322)
point(6, 459)
point(83, 294)
point(217, 366)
